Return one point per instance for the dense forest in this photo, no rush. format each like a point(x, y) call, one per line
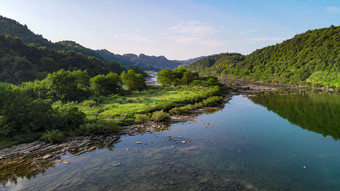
point(311, 58)
point(20, 62)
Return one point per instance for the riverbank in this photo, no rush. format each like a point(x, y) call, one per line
point(249, 87)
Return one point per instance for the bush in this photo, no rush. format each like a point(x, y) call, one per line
point(160, 116)
point(89, 103)
point(99, 127)
point(53, 136)
point(140, 118)
point(213, 101)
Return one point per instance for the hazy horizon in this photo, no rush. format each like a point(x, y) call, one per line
point(178, 30)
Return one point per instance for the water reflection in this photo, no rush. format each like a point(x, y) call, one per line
point(315, 111)
point(29, 167)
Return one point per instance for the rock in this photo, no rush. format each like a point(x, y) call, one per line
point(193, 147)
point(66, 162)
point(184, 142)
point(180, 137)
point(47, 156)
point(91, 148)
point(203, 180)
point(138, 142)
point(116, 164)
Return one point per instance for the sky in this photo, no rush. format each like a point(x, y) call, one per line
point(177, 29)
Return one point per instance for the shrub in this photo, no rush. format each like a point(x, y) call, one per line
point(213, 101)
point(99, 127)
point(89, 103)
point(140, 118)
point(160, 116)
point(53, 136)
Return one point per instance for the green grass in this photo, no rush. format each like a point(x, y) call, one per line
point(123, 109)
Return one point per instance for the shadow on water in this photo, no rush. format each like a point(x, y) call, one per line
point(315, 111)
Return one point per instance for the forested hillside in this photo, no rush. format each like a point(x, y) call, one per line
point(311, 58)
point(20, 62)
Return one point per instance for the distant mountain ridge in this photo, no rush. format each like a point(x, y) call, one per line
point(15, 29)
point(143, 61)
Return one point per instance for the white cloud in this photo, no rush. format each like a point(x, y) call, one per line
point(192, 32)
point(249, 31)
point(192, 28)
point(333, 10)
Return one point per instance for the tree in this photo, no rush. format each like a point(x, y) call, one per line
point(133, 81)
point(106, 84)
point(166, 77)
point(68, 85)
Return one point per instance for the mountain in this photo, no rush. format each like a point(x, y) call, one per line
point(71, 45)
point(143, 61)
point(15, 29)
point(192, 60)
point(20, 62)
point(311, 58)
point(215, 64)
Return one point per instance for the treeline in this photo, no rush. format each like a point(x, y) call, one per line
point(182, 76)
point(311, 58)
point(20, 62)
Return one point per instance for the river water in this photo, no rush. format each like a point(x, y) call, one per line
point(267, 142)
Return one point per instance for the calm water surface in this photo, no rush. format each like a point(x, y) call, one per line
point(268, 142)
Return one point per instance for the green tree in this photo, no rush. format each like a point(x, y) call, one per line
point(133, 81)
point(68, 85)
point(106, 84)
point(166, 77)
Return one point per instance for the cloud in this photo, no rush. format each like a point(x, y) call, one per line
point(192, 28)
point(193, 32)
point(333, 10)
point(249, 31)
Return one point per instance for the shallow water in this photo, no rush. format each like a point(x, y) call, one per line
point(268, 142)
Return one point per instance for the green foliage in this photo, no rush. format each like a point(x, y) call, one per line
point(140, 118)
point(70, 117)
point(213, 101)
point(160, 116)
point(179, 76)
point(67, 85)
point(185, 109)
point(22, 114)
point(133, 81)
point(106, 84)
point(99, 127)
point(53, 136)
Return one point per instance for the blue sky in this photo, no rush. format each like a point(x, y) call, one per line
point(177, 29)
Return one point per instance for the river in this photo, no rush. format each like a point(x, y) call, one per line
point(267, 142)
